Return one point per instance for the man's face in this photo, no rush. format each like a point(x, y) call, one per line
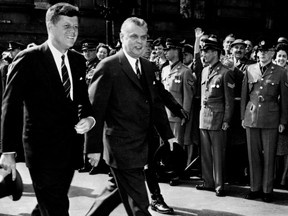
point(281, 58)
point(134, 39)
point(238, 51)
point(64, 33)
point(170, 54)
point(265, 56)
point(227, 42)
point(187, 58)
point(209, 56)
point(89, 54)
point(249, 46)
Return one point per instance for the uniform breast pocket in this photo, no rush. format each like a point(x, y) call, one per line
point(176, 84)
point(216, 88)
point(272, 87)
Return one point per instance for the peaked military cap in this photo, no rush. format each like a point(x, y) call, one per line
point(211, 43)
point(172, 44)
point(15, 45)
point(89, 45)
point(159, 41)
point(265, 43)
point(188, 49)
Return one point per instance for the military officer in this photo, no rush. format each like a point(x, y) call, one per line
point(264, 112)
point(180, 82)
point(90, 54)
point(217, 97)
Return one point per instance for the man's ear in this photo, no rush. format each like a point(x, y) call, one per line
point(121, 35)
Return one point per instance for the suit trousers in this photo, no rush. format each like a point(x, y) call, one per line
point(262, 145)
point(51, 188)
point(105, 204)
point(213, 151)
point(132, 189)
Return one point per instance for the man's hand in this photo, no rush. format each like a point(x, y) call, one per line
point(242, 123)
point(7, 161)
point(281, 128)
point(198, 32)
point(94, 158)
point(225, 126)
point(171, 141)
point(84, 125)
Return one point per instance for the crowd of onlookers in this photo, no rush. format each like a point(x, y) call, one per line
point(180, 62)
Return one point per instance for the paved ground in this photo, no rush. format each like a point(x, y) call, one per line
point(184, 198)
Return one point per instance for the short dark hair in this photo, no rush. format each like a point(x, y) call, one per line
point(61, 9)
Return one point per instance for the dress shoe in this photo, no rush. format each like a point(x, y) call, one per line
point(203, 187)
point(220, 193)
point(254, 195)
point(160, 206)
point(267, 197)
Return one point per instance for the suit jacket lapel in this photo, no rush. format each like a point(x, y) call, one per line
point(51, 73)
point(127, 69)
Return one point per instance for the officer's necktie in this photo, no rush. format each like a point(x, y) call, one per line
point(138, 72)
point(65, 78)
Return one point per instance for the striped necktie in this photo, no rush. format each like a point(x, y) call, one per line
point(65, 77)
point(138, 72)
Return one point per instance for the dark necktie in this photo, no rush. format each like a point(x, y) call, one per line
point(138, 72)
point(65, 78)
point(263, 69)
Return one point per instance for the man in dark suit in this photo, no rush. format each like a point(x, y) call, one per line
point(264, 112)
point(127, 105)
point(57, 111)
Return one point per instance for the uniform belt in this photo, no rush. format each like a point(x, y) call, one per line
point(261, 98)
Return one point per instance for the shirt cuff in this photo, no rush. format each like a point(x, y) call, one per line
point(94, 121)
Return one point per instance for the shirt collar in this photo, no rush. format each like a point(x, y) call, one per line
point(131, 60)
point(56, 53)
point(174, 64)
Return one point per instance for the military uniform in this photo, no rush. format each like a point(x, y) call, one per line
point(264, 106)
point(91, 66)
point(217, 87)
point(180, 82)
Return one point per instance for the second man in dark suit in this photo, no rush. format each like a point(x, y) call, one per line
point(127, 105)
